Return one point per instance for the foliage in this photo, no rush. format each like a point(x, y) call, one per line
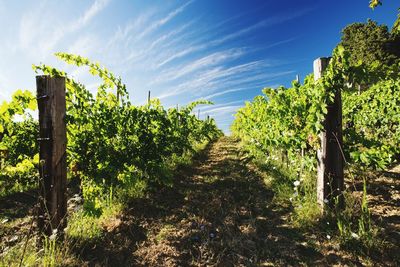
point(283, 125)
point(289, 119)
point(354, 223)
point(111, 143)
point(18, 146)
point(396, 26)
point(370, 44)
point(114, 144)
point(372, 124)
point(374, 3)
point(292, 184)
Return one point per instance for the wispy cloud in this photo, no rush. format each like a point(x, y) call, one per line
point(223, 110)
point(204, 62)
point(35, 30)
point(94, 9)
point(124, 35)
point(180, 57)
point(222, 77)
point(84, 45)
point(76, 25)
point(261, 24)
point(211, 107)
point(157, 24)
point(224, 92)
point(155, 49)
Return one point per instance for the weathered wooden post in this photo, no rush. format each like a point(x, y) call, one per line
point(148, 98)
point(178, 117)
point(330, 158)
point(52, 154)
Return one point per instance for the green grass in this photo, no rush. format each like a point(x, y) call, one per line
point(351, 227)
point(53, 253)
point(282, 178)
point(86, 227)
point(166, 231)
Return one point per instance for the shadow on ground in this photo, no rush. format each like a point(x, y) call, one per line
point(218, 213)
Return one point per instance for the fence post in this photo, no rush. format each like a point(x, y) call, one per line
point(330, 157)
point(52, 154)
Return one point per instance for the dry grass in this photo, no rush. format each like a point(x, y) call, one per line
point(218, 212)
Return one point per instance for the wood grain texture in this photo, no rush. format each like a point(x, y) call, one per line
point(52, 153)
point(330, 157)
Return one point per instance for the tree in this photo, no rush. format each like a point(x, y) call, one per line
point(370, 43)
point(396, 26)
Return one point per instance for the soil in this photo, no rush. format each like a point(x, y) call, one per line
point(219, 212)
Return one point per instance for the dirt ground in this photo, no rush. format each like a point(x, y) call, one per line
point(219, 212)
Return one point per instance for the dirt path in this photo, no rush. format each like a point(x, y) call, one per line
point(218, 213)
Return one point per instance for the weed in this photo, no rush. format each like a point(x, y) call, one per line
point(164, 232)
point(356, 229)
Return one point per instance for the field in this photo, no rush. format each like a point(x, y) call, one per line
point(306, 175)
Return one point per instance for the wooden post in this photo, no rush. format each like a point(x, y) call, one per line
point(148, 98)
point(330, 157)
point(52, 154)
point(178, 117)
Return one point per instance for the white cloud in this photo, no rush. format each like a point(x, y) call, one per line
point(123, 36)
point(201, 63)
point(157, 24)
point(157, 47)
point(210, 107)
point(211, 79)
point(223, 110)
point(261, 24)
point(40, 32)
point(178, 55)
point(232, 91)
point(94, 9)
point(84, 45)
point(76, 25)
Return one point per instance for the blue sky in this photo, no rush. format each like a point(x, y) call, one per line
point(224, 51)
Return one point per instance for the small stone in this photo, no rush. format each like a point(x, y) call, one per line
point(13, 239)
point(213, 234)
point(196, 239)
point(355, 236)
